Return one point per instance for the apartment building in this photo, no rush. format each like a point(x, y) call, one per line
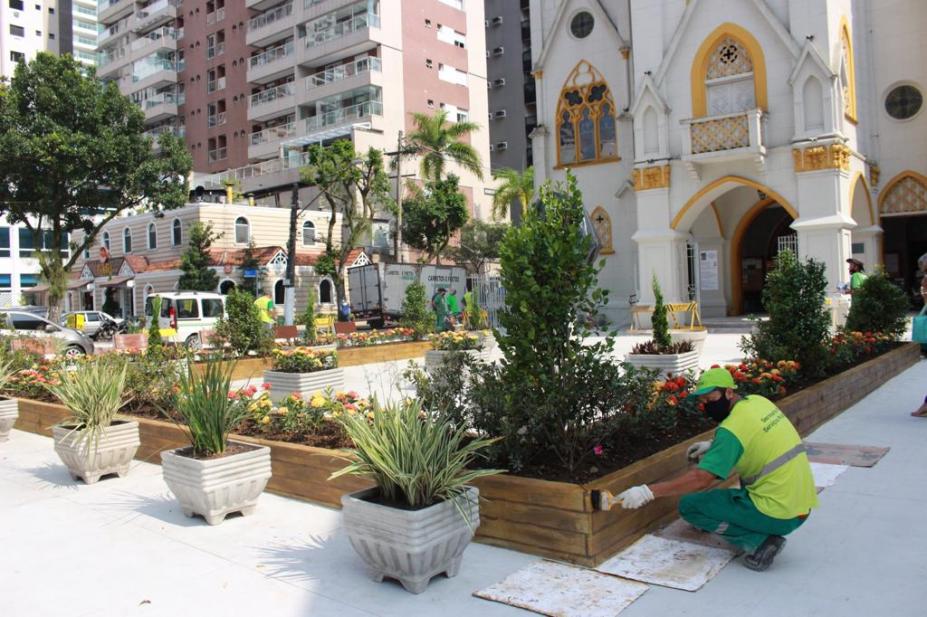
point(30, 26)
point(19, 264)
point(512, 109)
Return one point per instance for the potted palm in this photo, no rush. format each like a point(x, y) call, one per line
point(661, 352)
point(421, 515)
point(446, 343)
point(94, 441)
point(303, 370)
point(9, 407)
point(214, 476)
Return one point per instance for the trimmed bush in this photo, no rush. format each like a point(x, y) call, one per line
point(415, 312)
point(243, 329)
point(878, 306)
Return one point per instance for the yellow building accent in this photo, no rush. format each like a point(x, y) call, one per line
point(711, 186)
point(874, 172)
point(860, 177)
point(625, 52)
point(647, 178)
point(537, 74)
point(815, 158)
point(906, 193)
point(703, 57)
point(602, 223)
point(846, 50)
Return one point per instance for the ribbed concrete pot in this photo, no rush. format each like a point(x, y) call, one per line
point(113, 454)
point(668, 364)
point(696, 337)
point(410, 546)
point(216, 487)
point(435, 358)
point(306, 384)
point(9, 411)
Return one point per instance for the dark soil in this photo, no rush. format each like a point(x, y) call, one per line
point(329, 435)
point(230, 450)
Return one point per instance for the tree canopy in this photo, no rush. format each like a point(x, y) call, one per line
point(479, 242)
point(438, 140)
point(74, 155)
point(432, 215)
point(195, 262)
point(515, 186)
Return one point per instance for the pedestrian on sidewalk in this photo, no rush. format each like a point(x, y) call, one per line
point(758, 442)
point(858, 275)
point(439, 306)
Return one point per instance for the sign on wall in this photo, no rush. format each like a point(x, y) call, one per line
point(708, 270)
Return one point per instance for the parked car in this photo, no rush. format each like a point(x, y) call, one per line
point(97, 325)
point(16, 322)
point(188, 314)
point(41, 311)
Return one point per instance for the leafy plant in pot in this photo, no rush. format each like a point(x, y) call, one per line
point(214, 476)
point(422, 514)
point(661, 352)
point(9, 407)
point(94, 442)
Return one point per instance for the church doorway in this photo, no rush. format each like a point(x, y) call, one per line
point(763, 233)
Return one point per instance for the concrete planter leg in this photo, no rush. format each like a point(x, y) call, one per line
point(216, 487)
point(113, 454)
point(9, 411)
point(410, 546)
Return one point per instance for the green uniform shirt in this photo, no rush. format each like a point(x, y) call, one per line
point(453, 306)
point(754, 434)
point(439, 305)
point(857, 279)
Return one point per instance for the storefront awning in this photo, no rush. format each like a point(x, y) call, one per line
point(116, 281)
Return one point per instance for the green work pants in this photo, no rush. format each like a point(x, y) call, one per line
point(731, 514)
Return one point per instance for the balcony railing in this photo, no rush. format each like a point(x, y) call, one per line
point(345, 114)
point(272, 55)
point(278, 14)
point(293, 160)
point(342, 28)
point(147, 68)
point(216, 50)
point(153, 37)
point(158, 130)
point(273, 94)
point(216, 119)
point(166, 98)
point(215, 84)
point(714, 134)
point(273, 133)
point(216, 16)
point(153, 8)
point(343, 71)
point(218, 154)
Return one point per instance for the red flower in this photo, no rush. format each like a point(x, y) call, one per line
point(671, 401)
point(715, 366)
point(598, 450)
point(265, 386)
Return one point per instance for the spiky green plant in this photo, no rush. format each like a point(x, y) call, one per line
point(661, 335)
point(414, 459)
point(205, 407)
point(7, 369)
point(94, 393)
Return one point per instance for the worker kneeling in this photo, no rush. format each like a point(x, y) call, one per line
point(755, 439)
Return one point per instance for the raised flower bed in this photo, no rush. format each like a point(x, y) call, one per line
point(447, 343)
point(303, 371)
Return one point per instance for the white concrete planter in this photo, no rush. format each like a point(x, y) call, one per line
point(669, 364)
point(435, 358)
point(117, 447)
point(9, 411)
point(696, 337)
point(410, 545)
point(216, 487)
point(306, 384)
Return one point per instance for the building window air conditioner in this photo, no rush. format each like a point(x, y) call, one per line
point(502, 145)
point(498, 83)
point(500, 114)
point(498, 51)
point(497, 21)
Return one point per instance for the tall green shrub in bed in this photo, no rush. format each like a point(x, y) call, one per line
point(878, 306)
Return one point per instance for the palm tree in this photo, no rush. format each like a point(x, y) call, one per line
point(514, 186)
point(438, 141)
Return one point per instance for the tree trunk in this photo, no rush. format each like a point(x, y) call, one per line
point(340, 294)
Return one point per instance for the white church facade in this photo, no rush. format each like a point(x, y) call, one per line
point(708, 135)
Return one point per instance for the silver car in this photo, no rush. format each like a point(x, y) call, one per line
point(13, 323)
point(93, 321)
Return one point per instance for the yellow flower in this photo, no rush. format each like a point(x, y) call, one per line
point(265, 420)
point(317, 401)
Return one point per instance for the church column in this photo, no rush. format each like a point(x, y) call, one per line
point(661, 250)
point(539, 135)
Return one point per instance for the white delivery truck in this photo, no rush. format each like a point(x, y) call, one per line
point(377, 290)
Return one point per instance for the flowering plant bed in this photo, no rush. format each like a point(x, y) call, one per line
point(455, 341)
point(366, 338)
point(303, 360)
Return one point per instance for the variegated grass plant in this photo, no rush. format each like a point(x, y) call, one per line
point(206, 408)
point(6, 370)
point(94, 394)
point(414, 459)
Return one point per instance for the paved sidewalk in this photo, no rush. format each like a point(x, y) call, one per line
point(121, 547)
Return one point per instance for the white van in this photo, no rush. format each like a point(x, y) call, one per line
point(189, 313)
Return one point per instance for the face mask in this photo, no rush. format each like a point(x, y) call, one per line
point(718, 410)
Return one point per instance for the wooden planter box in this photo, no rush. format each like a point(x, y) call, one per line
point(551, 519)
point(306, 384)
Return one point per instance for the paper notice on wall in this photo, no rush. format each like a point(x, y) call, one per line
point(708, 270)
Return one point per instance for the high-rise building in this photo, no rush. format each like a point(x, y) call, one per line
point(512, 111)
point(30, 26)
point(81, 39)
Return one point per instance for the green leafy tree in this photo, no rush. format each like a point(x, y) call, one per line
point(356, 187)
point(438, 140)
point(480, 243)
point(155, 342)
point(250, 262)
point(878, 306)
point(195, 261)
point(74, 156)
point(661, 335)
point(242, 328)
point(415, 311)
point(307, 319)
point(431, 216)
point(798, 327)
point(514, 186)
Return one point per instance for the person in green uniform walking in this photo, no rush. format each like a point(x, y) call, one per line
point(453, 305)
point(857, 274)
point(439, 306)
point(756, 440)
point(266, 310)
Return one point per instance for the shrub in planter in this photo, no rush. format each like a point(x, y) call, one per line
point(307, 320)
point(242, 327)
point(878, 306)
point(449, 343)
point(154, 330)
point(798, 327)
point(661, 352)
point(415, 311)
point(661, 335)
point(214, 476)
point(417, 521)
point(93, 442)
point(303, 370)
point(9, 407)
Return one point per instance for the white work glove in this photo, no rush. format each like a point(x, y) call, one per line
point(635, 497)
point(696, 451)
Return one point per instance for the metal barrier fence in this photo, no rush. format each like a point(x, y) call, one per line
point(490, 295)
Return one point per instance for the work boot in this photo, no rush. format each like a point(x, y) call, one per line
point(762, 558)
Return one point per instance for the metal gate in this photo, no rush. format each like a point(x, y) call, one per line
point(788, 243)
point(490, 295)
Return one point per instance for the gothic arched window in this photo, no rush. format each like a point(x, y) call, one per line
point(586, 127)
point(729, 79)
